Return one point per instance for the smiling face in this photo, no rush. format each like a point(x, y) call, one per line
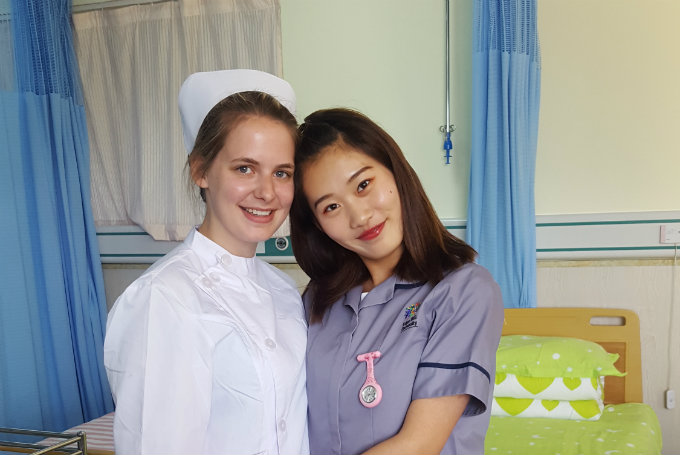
point(249, 186)
point(356, 203)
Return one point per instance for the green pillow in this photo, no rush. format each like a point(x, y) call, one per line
point(554, 357)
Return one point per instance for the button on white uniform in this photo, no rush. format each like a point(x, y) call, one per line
point(271, 344)
point(207, 282)
point(225, 259)
point(282, 425)
point(214, 276)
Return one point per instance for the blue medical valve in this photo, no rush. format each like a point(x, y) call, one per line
point(448, 146)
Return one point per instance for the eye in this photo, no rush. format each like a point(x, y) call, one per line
point(362, 186)
point(282, 174)
point(330, 207)
point(244, 170)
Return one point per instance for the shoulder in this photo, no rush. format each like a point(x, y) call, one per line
point(468, 285)
point(181, 261)
point(470, 274)
point(170, 279)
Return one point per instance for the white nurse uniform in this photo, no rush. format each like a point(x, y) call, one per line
point(205, 354)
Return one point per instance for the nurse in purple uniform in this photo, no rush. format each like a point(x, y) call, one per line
point(404, 326)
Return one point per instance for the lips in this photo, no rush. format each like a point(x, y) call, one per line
point(373, 232)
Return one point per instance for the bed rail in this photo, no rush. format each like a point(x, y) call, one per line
point(67, 443)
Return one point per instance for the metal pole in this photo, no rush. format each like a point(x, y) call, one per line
point(448, 93)
point(447, 129)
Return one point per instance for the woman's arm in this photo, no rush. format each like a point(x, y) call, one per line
point(159, 380)
point(427, 426)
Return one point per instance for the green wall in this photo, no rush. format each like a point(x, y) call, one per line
point(386, 59)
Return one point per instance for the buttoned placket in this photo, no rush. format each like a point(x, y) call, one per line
point(260, 333)
point(251, 307)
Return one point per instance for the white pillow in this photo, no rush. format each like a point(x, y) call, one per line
point(565, 389)
point(554, 409)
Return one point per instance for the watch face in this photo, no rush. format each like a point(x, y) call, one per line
point(368, 394)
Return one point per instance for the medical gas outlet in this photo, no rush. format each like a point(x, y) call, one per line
point(669, 233)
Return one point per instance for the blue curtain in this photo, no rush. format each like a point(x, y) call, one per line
point(506, 78)
point(52, 305)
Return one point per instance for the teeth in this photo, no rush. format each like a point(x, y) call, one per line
point(259, 212)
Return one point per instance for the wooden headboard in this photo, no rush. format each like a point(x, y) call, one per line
point(617, 331)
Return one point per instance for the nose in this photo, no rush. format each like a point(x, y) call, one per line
point(359, 214)
point(265, 188)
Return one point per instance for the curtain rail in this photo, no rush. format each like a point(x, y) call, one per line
point(85, 7)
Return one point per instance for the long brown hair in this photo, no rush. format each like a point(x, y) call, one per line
point(227, 115)
point(430, 251)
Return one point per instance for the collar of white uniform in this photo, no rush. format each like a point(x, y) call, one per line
point(208, 249)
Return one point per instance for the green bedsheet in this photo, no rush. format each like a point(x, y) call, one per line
point(623, 429)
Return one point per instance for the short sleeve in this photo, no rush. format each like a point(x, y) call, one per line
point(466, 308)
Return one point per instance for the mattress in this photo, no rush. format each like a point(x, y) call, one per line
point(623, 429)
point(99, 433)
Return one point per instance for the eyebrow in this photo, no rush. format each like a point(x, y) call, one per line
point(349, 180)
point(254, 162)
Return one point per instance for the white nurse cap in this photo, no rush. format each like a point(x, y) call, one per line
point(200, 92)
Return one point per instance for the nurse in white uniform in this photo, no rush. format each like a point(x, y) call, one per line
point(205, 351)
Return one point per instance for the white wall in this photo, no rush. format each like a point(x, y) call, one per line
point(610, 106)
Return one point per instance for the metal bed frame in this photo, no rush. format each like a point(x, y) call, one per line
point(73, 443)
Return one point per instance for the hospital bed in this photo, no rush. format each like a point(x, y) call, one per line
point(626, 426)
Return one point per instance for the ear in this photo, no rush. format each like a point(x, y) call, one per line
point(197, 175)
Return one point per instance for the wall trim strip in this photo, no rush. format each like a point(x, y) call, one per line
point(564, 237)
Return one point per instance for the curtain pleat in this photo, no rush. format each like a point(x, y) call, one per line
point(505, 104)
point(52, 305)
point(133, 61)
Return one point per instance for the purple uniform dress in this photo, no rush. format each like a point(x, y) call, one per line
point(434, 341)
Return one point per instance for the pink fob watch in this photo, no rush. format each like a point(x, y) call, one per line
point(370, 393)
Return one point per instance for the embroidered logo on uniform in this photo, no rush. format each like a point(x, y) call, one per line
point(410, 316)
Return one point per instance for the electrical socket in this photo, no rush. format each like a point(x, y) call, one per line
point(669, 396)
point(669, 233)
